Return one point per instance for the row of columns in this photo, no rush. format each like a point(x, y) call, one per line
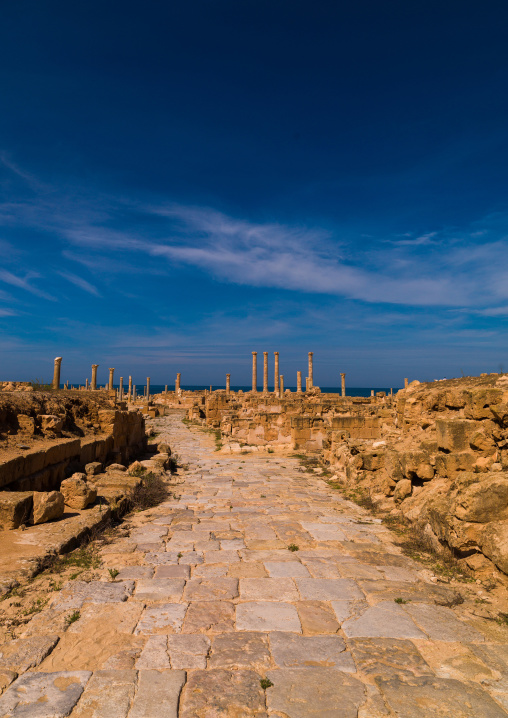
point(276, 382)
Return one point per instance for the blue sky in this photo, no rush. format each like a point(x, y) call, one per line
point(184, 183)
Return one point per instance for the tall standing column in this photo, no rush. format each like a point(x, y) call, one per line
point(265, 372)
point(177, 384)
point(343, 384)
point(228, 384)
point(311, 374)
point(111, 374)
point(148, 388)
point(129, 391)
point(94, 376)
point(276, 374)
point(134, 393)
point(281, 385)
point(56, 373)
point(298, 382)
point(120, 391)
point(254, 371)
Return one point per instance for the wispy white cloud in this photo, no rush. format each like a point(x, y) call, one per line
point(24, 283)
point(80, 282)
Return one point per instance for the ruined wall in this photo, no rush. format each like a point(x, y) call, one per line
point(32, 461)
point(443, 465)
point(307, 421)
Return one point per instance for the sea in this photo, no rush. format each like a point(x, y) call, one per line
point(350, 391)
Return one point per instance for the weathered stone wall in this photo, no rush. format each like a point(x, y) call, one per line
point(43, 468)
point(443, 465)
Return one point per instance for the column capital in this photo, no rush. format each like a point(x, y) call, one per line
point(254, 354)
point(58, 360)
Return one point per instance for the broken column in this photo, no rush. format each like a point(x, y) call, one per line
point(228, 383)
point(406, 383)
point(86, 383)
point(129, 391)
point(56, 373)
point(276, 374)
point(120, 391)
point(311, 373)
point(177, 384)
point(298, 382)
point(281, 378)
point(148, 388)
point(111, 374)
point(134, 393)
point(254, 371)
point(265, 372)
point(343, 384)
point(94, 376)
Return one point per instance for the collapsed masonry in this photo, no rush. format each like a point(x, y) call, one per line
point(53, 452)
point(435, 453)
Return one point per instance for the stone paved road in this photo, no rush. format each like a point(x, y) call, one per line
point(209, 601)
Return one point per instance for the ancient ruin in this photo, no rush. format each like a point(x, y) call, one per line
point(266, 580)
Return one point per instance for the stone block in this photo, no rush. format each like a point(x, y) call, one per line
point(108, 694)
point(385, 620)
point(15, 508)
point(44, 695)
point(425, 696)
point(158, 694)
point(50, 424)
point(314, 693)
point(449, 465)
point(290, 650)
point(484, 501)
point(24, 653)
point(93, 468)
point(249, 651)
point(402, 490)
point(187, 651)
point(26, 424)
point(267, 616)
point(47, 506)
point(77, 492)
point(218, 692)
point(454, 434)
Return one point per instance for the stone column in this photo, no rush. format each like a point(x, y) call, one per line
point(311, 373)
point(228, 384)
point(406, 382)
point(177, 384)
point(343, 384)
point(148, 388)
point(372, 392)
point(281, 385)
point(298, 382)
point(94, 376)
point(265, 372)
point(254, 371)
point(56, 373)
point(165, 389)
point(276, 374)
point(307, 383)
point(111, 374)
point(134, 393)
point(129, 391)
point(86, 383)
point(120, 391)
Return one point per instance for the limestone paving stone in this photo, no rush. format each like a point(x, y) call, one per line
point(172, 571)
point(322, 567)
point(214, 589)
point(107, 619)
point(314, 693)
point(441, 623)
point(388, 657)
point(162, 558)
point(222, 693)
point(187, 651)
point(158, 694)
point(317, 617)
point(161, 618)
point(290, 650)
point(43, 695)
point(135, 572)
point(327, 589)
point(385, 620)
point(286, 569)
point(221, 556)
point(425, 696)
point(108, 694)
point(75, 593)
point(210, 570)
point(154, 655)
point(209, 617)
point(159, 589)
point(267, 616)
point(249, 650)
point(24, 653)
point(268, 589)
